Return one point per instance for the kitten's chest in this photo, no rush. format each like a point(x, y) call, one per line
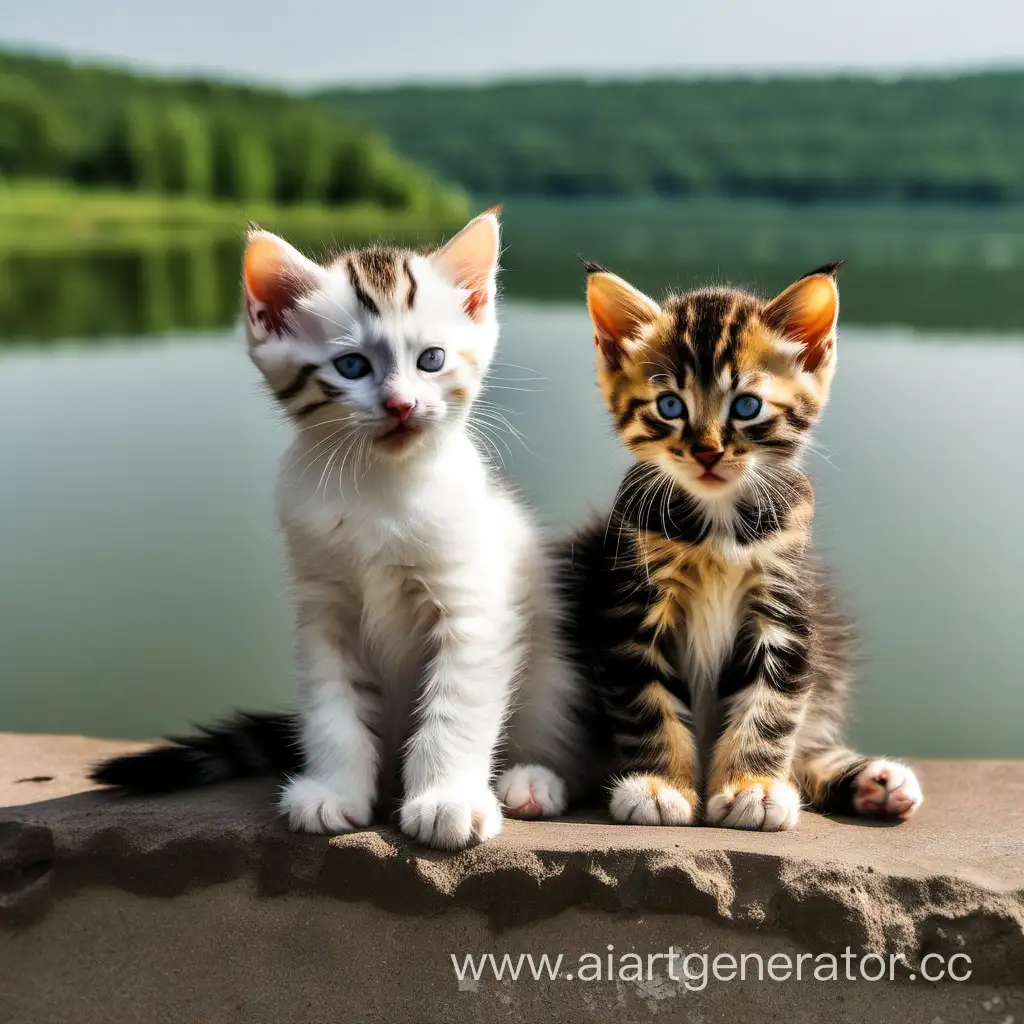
point(346, 539)
point(709, 594)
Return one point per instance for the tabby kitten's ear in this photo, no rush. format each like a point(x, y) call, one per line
point(470, 261)
point(276, 276)
point(807, 312)
point(619, 313)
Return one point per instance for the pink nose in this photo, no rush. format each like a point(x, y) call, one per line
point(707, 457)
point(400, 407)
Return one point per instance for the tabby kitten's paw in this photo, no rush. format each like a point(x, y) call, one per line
point(887, 788)
point(450, 819)
point(312, 806)
point(532, 791)
point(650, 800)
point(763, 805)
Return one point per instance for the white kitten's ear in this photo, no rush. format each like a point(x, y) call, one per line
point(618, 311)
point(276, 276)
point(807, 313)
point(470, 260)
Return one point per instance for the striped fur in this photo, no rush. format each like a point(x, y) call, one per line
point(705, 624)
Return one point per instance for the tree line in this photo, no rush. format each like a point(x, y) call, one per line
point(917, 138)
point(101, 127)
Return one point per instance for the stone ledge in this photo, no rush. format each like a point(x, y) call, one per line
point(951, 879)
point(867, 884)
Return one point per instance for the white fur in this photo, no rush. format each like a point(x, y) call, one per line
point(713, 613)
point(423, 595)
point(448, 818)
point(774, 807)
point(634, 803)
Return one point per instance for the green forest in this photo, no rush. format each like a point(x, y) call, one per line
point(123, 196)
point(914, 139)
point(96, 127)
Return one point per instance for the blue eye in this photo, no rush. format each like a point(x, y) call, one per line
point(746, 407)
point(352, 365)
point(671, 406)
point(431, 359)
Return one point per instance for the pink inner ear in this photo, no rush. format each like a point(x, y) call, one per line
point(806, 312)
point(276, 276)
point(610, 350)
point(470, 259)
point(265, 261)
point(816, 353)
point(619, 312)
point(474, 303)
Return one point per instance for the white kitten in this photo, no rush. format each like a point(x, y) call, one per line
point(424, 603)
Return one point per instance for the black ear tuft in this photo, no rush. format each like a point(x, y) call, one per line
point(590, 266)
point(829, 269)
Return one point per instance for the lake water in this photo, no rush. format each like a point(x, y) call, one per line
point(142, 583)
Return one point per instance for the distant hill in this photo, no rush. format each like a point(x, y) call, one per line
point(917, 138)
point(96, 126)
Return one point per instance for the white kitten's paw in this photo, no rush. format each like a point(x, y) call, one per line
point(650, 800)
point(763, 805)
point(313, 806)
point(532, 791)
point(887, 788)
point(450, 819)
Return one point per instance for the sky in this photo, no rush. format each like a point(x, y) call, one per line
point(319, 42)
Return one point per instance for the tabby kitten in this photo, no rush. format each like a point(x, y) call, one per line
point(425, 629)
point(699, 612)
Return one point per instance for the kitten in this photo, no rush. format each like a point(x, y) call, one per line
point(424, 598)
point(699, 611)
point(714, 661)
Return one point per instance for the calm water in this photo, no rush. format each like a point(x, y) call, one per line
point(141, 578)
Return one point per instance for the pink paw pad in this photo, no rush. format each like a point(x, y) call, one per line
point(531, 791)
point(887, 788)
point(529, 808)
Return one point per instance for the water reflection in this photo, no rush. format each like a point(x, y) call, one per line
point(120, 293)
point(943, 270)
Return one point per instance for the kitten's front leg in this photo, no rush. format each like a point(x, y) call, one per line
point(450, 756)
point(763, 690)
point(649, 708)
point(338, 786)
point(654, 738)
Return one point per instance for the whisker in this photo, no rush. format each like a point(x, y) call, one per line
point(327, 468)
point(491, 450)
point(323, 316)
point(498, 420)
point(326, 423)
point(490, 431)
point(517, 366)
point(505, 387)
point(312, 451)
point(341, 468)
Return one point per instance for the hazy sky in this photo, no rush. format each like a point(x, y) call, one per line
point(321, 41)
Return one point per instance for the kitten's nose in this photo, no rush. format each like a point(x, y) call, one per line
point(400, 407)
point(707, 457)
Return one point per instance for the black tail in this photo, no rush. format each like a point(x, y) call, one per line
point(243, 746)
